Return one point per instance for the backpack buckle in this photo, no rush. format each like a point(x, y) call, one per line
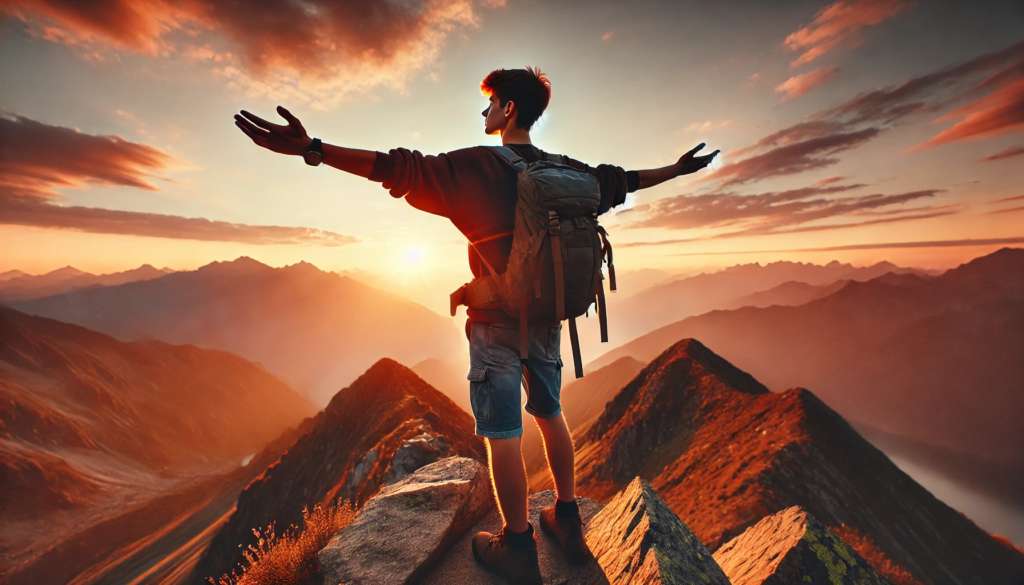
point(553, 225)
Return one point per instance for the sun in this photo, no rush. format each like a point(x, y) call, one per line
point(413, 256)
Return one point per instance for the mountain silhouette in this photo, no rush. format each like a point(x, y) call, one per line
point(936, 361)
point(23, 286)
point(652, 308)
point(345, 451)
point(91, 424)
point(315, 329)
point(723, 452)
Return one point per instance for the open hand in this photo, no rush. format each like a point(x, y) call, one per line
point(690, 163)
point(290, 139)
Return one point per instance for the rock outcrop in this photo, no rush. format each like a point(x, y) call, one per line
point(792, 547)
point(638, 540)
point(423, 449)
point(344, 452)
point(406, 527)
point(724, 452)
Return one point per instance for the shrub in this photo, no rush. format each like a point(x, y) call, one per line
point(290, 559)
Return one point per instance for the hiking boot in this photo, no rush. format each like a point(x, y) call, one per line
point(519, 567)
point(568, 532)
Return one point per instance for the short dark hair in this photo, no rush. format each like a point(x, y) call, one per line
point(528, 88)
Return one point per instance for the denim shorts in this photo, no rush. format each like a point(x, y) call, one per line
point(496, 372)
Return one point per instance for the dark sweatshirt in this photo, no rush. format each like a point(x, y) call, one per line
point(476, 189)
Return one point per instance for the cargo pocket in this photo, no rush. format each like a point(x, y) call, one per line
point(479, 393)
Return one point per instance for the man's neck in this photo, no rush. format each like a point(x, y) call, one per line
point(515, 135)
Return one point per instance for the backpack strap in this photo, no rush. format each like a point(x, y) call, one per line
point(509, 156)
point(574, 340)
point(554, 228)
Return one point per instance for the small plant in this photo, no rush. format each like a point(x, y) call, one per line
point(290, 559)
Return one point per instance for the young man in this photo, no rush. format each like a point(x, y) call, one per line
point(476, 189)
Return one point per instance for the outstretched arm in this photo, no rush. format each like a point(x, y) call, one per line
point(292, 139)
point(688, 163)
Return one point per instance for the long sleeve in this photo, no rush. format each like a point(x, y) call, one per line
point(429, 183)
point(615, 183)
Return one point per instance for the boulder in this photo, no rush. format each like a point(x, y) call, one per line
point(792, 547)
point(423, 449)
point(638, 540)
point(400, 532)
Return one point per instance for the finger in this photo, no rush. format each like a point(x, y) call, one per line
point(246, 124)
point(695, 149)
point(259, 140)
point(260, 121)
point(292, 120)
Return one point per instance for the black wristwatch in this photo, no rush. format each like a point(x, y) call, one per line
point(314, 154)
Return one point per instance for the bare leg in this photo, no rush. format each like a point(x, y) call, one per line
point(561, 459)
point(508, 474)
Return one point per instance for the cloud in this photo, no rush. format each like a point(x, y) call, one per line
point(999, 113)
point(1004, 200)
point(333, 47)
point(781, 211)
point(992, 80)
point(798, 85)
point(38, 158)
point(875, 246)
point(924, 94)
point(792, 157)
point(838, 24)
point(608, 36)
point(36, 212)
point(1008, 152)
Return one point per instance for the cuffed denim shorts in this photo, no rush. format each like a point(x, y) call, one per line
point(496, 372)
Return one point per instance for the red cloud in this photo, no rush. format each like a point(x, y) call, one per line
point(996, 114)
point(37, 158)
point(780, 212)
point(839, 23)
point(341, 45)
point(33, 211)
point(797, 86)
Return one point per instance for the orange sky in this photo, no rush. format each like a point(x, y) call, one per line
point(856, 125)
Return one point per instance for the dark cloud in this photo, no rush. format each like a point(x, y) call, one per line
point(781, 212)
point(346, 44)
point(1014, 198)
point(838, 24)
point(993, 81)
point(793, 158)
point(37, 158)
point(925, 94)
point(1008, 152)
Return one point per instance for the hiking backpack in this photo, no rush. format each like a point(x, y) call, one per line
point(558, 248)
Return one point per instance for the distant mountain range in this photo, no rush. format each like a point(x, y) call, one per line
point(16, 285)
point(634, 311)
point(315, 329)
point(935, 360)
point(723, 452)
point(346, 451)
point(89, 424)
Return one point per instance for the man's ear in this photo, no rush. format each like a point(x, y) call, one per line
point(509, 108)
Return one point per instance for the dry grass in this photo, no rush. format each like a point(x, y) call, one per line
point(290, 559)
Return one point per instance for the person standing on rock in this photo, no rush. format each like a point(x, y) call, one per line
point(478, 189)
